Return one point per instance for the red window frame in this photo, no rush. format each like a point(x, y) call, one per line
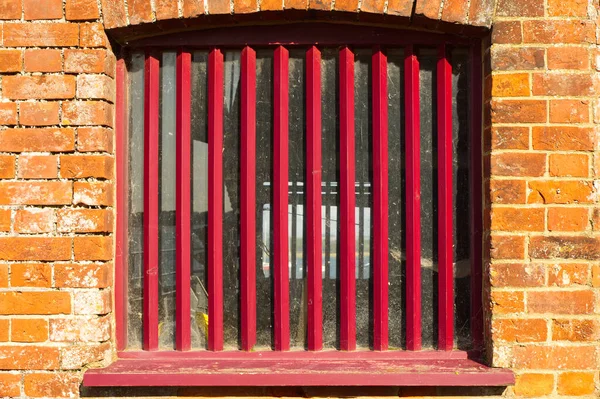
point(444, 361)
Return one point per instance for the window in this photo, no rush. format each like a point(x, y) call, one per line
point(303, 192)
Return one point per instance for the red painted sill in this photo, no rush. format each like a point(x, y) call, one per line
point(297, 369)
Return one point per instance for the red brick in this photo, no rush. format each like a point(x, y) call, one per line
point(10, 61)
point(516, 330)
point(93, 193)
point(64, 385)
point(37, 140)
point(8, 113)
point(29, 357)
point(93, 35)
point(94, 139)
point(80, 10)
point(519, 111)
point(7, 166)
point(507, 247)
point(507, 191)
point(34, 220)
point(30, 275)
point(73, 275)
point(518, 164)
point(564, 248)
point(99, 87)
point(47, 9)
point(87, 113)
point(563, 85)
point(575, 330)
point(517, 219)
point(533, 385)
point(41, 35)
point(520, 8)
point(140, 11)
point(569, 111)
point(93, 248)
point(39, 114)
point(10, 384)
point(515, 59)
point(562, 302)
point(31, 302)
point(193, 8)
point(401, 8)
point(563, 138)
point(507, 32)
point(508, 302)
point(517, 275)
point(567, 8)
point(555, 357)
point(44, 60)
point(454, 11)
point(35, 193)
point(84, 220)
point(576, 384)
point(510, 138)
point(568, 219)
point(29, 330)
point(85, 61)
point(10, 9)
point(568, 58)
point(561, 192)
point(48, 87)
point(5, 216)
point(38, 167)
point(558, 31)
point(83, 166)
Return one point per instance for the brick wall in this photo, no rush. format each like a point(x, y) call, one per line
point(57, 188)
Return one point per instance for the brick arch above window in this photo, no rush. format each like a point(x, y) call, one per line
point(122, 13)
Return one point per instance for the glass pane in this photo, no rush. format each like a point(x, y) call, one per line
point(199, 294)
point(396, 203)
point(363, 153)
point(461, 197)
point(264, 177)
point(330, 196)
point(297, 265)
point(231, 199)
point(135, 219)
point(429, 245)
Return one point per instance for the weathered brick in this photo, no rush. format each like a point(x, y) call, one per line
point(85, 61)
point(43, 60)
point(93, 248)
point(574, 165)
point(7, 166)
point(454, 11)
point(401, 8)
point(29, 330)
point(507, 32)
point(531, 385)
point(554, 357)
point(92, 35)
point(81, 10)
point(47, 9)
point(567, 8)
point(508, 302)
point(39, 114)
point(84, 220)
point(567, 274)
point(576, 383)
point(8, 113)
point(568, 58)
point(520, 8)
point(93, 193)
point(10, 61)
point(82, 166)
point(30, 275)
point(63, 385)
point(30, 302)
point(73, 357)
point(48, 87)
point(10, 383)
point(38, 167)
point(29, 357)
point(35, 193)
point(34, 220)
point(563, 138)
point(568, 219)
point(507, 191)
point(41, 35)
point(86, 329)
point(569, 111)
point(140, 11)
point(94, 139)
point(561, 302)
point(98, 87)
point(518, 164)
point(561, 192)
point(558, 31)
point(166, 9)
point(575, 330)
point(73, 275)
point(87, 113)
point(193, 8)
point(517, 275)
point(507, 247)
point(558, 84)
point(564, 247)
point(37, 140)
point(10, 9)
point(519, 111)
point(518, 330)
point(510, 138)
point(92, 302)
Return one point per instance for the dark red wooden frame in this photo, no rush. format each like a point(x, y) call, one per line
point(299, 34)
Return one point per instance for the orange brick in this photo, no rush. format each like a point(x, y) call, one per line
point(73, 275)
point(37, 140)
point(510, 138)
point(595, 276)
point(48, 9)
point(507, 191)
point(567, 8)
point(517, 219)
point(93, 193)
point(575, 330)
point(568, 58)
point(563, 138)
point(93, 248)
point(576, 384)
point(554, 357)
point(92, 35)
point(564, 247)
point(568, 219)
point(429, 9)
point(30, 302)
point(559, 84)
point(7, 166)
point(10, 384)
point(569, 111)
point(140, 11)
point(558, 31)
point(3, 276)
point(82, 166)
point(35, 193)
point(10, 61)
point(532, 385)
point(114, 14)
point(80, 10)
point(38, 166)
point(507, 247)
point(517, 330)
point(99, 87)
point(39, 114)
point(94, 139)
point(4, 336)
point(84, 220)
point(87, 113)
point(41, 35)
point(563, 275)
point(519, 111)
point(30, 275)
point(85, 61)
point(34, 220)
point(29, 357)
point(38, 385)
point(5, 216)
point(29, 330)
point(518, 164)
point(560, 192)
point(507, 32)
point(10, 9)
point(49, 87)
point(239, 6)
point(510, 85)
point(517, 275)
point(166, 9)
point(508, 302)
point(8, 113)
point(45, 60)
point(268, 5)
point(193, 8)
point(562, 302)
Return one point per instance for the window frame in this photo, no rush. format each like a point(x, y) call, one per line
point(313, 34)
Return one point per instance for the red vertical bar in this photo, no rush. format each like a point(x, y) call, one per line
point(445, 240)
point(248, 198)
point(183, 212)
point(413, 201)
point(347, 204)
point(280, 200)
point(151, 189)
point(476, 181)
point(215, 200)
point(122, 251)
point(313, 200)
point(380, 201)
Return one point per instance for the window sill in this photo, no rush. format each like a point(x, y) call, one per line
point(297, 369)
